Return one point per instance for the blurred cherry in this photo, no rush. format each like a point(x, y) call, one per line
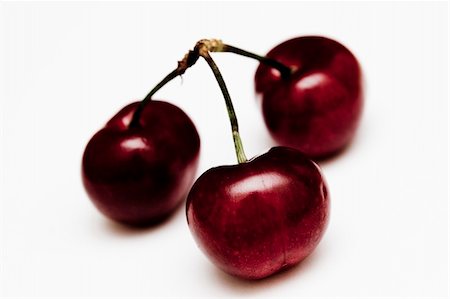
point(139, 175)
point(317, 107)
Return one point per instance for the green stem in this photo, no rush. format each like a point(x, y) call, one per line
point(240, 154)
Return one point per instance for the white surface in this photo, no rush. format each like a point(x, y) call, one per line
point(67, 68)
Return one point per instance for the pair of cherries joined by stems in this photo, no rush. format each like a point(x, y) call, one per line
point(262, 215)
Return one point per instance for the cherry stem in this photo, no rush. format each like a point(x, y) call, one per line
point(284, 70)
point(137, 113)
point(202, 48)
point(216, 45)
point(240, 154)
point(188, 60)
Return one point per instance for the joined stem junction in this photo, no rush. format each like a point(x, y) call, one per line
point(202, 49)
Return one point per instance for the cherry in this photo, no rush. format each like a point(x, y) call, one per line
point(139, 175)
point(260, 216)
point(317, 106)
point(138, 168)
point(257, 218)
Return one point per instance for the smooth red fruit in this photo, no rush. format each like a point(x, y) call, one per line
point(140, 175)
point(317, 109)
point(257, 218)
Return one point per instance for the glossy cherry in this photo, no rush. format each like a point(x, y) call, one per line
point(260, 216)
point(140, 174)
point(257, 218)
point(317, 107)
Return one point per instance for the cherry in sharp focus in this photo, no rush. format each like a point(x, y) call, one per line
point(139, 167)
point(317, 107)
point(256, 218)
point(261, 216)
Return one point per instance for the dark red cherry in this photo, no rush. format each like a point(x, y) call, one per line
point(259, 217)
point(140, 175)
point(318, 107)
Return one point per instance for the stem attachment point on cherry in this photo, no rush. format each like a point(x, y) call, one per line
point(216, 45)
point(188, 60)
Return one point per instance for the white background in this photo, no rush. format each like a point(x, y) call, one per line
point(67, 68)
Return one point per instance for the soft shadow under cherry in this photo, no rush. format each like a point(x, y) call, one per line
point(251, 287)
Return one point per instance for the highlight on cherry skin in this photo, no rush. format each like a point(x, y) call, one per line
point(138, 175)
point(257, 218)
point(317, 107)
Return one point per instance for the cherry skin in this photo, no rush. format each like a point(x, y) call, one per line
point(140, 175)
point(259, 217)
point(318, 107)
